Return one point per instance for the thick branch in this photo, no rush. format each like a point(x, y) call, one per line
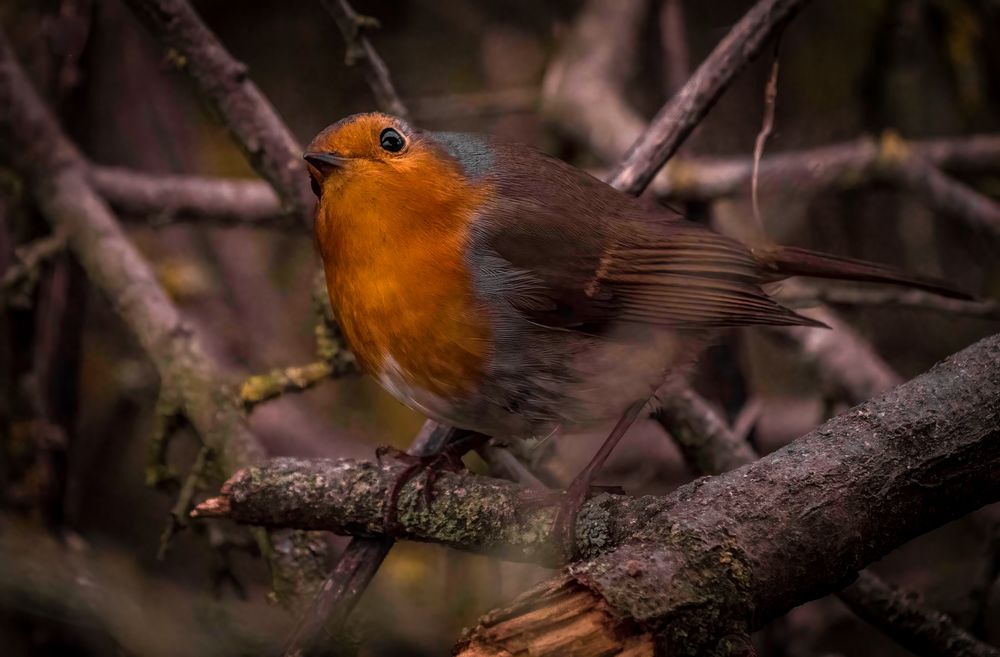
point(268, 145)
point(709, 445)
point(751, 543)
point(474, 513)
point(31, 140)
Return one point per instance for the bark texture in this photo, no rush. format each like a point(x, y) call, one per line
point(721, 555)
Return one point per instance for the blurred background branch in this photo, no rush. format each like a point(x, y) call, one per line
point(915, 78)
point(55, 173)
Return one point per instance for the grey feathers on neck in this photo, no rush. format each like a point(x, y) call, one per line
point(472, 151)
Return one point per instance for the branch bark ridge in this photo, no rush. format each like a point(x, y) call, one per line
point(737, 549)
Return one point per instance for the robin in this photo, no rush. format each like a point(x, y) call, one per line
point(497, 289)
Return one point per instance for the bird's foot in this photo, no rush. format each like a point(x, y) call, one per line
point(569, 505)
point(448, 459)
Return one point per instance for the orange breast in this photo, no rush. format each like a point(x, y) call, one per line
point(393, 245)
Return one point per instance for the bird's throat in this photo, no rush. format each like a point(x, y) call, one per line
point(395, 265)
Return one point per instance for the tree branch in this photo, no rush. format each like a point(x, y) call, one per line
point(162, 199)
point(843, 359)
point(356, 567)
point(251, 119)
point(899, 163)
point(709, 444)
point(584, 86)
point(722, 554)
point(675, 121)
point(841, 356)
point(835, 167)
point(32, 142)
point(352, 26)
point(836, 295)
point(920, 630)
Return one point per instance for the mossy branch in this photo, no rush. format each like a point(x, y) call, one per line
point(721, 555)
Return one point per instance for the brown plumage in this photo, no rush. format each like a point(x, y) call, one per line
point(498, 289)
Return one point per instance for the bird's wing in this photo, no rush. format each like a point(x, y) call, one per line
point(568, 251)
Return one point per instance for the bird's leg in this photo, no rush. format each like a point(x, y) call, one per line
point(565, 524)
point(449, 458)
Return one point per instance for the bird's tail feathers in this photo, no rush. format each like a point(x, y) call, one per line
point(785, 261)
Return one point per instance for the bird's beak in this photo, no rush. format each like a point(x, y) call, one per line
point(324, 162)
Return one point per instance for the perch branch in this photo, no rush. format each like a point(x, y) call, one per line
point(712, 448)
point(355, 568)
point(720, 555)
point(32, 142)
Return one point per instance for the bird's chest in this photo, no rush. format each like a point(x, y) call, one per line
point(409, 314)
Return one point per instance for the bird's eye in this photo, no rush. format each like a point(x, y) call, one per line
point(317, 190)
point(391, 141)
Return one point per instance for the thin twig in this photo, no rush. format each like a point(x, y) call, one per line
point(675, 121)
point(770, 96)
point(352, 26)
point(673, 40)
point(178, 516)
point(805, 294)
point(922, 631)
point(260, 388)
point(30, 257)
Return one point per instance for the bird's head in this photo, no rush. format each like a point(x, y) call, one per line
point(377, 148)
point(375, 172)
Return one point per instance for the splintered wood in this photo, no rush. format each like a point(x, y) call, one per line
point(557, 618)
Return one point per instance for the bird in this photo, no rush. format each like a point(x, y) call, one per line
point(500, 290)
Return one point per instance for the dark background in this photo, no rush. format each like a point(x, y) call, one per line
point(77, 395)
